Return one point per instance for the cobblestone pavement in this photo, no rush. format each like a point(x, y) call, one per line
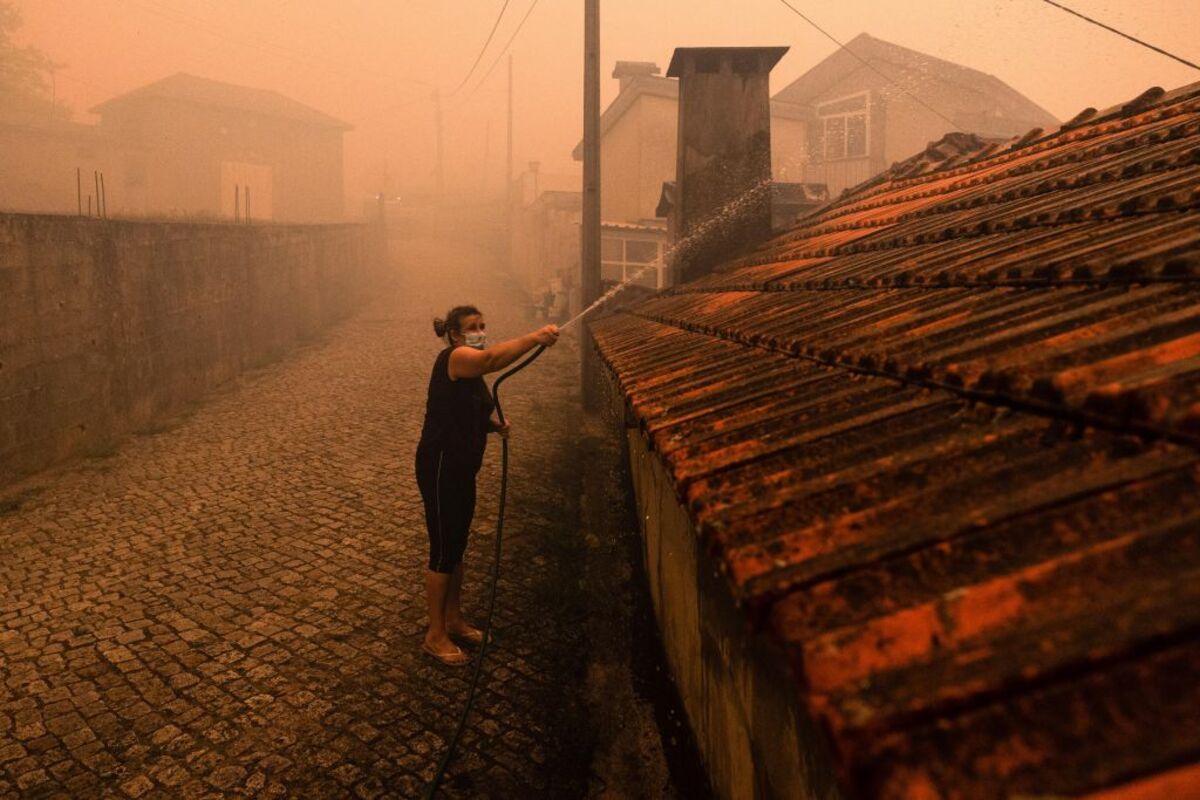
point(232, 605)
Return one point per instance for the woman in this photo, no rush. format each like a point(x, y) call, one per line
point(458, 418)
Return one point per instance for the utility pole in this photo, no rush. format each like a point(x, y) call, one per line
point(508, 215)
point(441, 166)
point(590, 256)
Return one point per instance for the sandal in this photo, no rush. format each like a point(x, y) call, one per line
point(455, 658)
point(470, 635)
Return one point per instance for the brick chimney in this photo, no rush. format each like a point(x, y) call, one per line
point(723, 167)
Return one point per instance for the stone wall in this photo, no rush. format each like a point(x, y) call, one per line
point(107, 327)
point(741, 700)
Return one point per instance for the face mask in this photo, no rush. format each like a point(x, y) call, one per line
point(476, 340)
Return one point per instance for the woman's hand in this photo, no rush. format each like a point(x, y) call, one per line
point(502, 429)
point(546, 335)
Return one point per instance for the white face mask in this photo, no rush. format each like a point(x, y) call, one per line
point(476, 339)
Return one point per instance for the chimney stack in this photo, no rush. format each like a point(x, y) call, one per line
point(628, 71)
point(723, 167)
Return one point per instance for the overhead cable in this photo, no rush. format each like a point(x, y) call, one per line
point(869, 65)
point(507, 45)
point(1122, 33)
point(482, 50)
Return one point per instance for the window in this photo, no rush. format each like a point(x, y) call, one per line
point(612, 257)
point(641, 252)
point(621, 259)
point(844, 127)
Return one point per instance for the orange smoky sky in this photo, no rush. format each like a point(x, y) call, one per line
point(376, 63)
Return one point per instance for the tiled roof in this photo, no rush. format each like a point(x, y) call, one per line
point(202, 91)
point(942, 439)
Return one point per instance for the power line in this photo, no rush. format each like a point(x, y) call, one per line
point(507, 45)
point(1122, 33)
point(868, 65)
point(482, 50)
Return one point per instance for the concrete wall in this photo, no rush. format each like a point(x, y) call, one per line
point(789, 149)
point(740, 698)
point(106, 327)
point(621, 166)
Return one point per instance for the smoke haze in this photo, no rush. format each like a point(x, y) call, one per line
point(376, 63)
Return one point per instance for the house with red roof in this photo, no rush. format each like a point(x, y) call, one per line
point(919, 477)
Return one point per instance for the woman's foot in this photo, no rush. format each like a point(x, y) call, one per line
point(466, 633)
point(448, 653)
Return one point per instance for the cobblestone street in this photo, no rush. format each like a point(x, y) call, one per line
point(232, 605)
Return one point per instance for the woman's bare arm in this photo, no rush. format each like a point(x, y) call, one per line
point(467, 362)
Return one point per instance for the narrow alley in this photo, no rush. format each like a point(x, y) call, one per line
point(234, 603)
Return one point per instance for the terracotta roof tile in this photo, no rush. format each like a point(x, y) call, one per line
point(942, 439)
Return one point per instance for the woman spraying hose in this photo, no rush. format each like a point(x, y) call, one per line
point(458, 418)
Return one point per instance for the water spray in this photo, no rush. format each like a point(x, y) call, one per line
point(604, 298)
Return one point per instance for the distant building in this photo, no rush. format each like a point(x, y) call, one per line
point(545, 244)
point(180, 146)
point(861, 121)
point(197, 140)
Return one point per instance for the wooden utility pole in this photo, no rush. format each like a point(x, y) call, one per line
point(590, 256)
point(508, 164)
point(441, 166)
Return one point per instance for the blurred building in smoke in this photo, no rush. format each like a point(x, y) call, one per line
point(184, 146)
point(865, 115)
point(198, 140)
point(544, 211)
point(837, 125)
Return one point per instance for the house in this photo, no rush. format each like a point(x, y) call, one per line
point(874, 103)
point(919, 479)
point(202, 146)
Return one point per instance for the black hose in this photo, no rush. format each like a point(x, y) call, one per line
point(434, 784)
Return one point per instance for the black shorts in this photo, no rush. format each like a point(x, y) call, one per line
point(448, 491)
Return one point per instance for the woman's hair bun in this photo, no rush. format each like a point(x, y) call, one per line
point(439, 326)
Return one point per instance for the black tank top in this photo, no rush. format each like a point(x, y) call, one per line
point(456, 414)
